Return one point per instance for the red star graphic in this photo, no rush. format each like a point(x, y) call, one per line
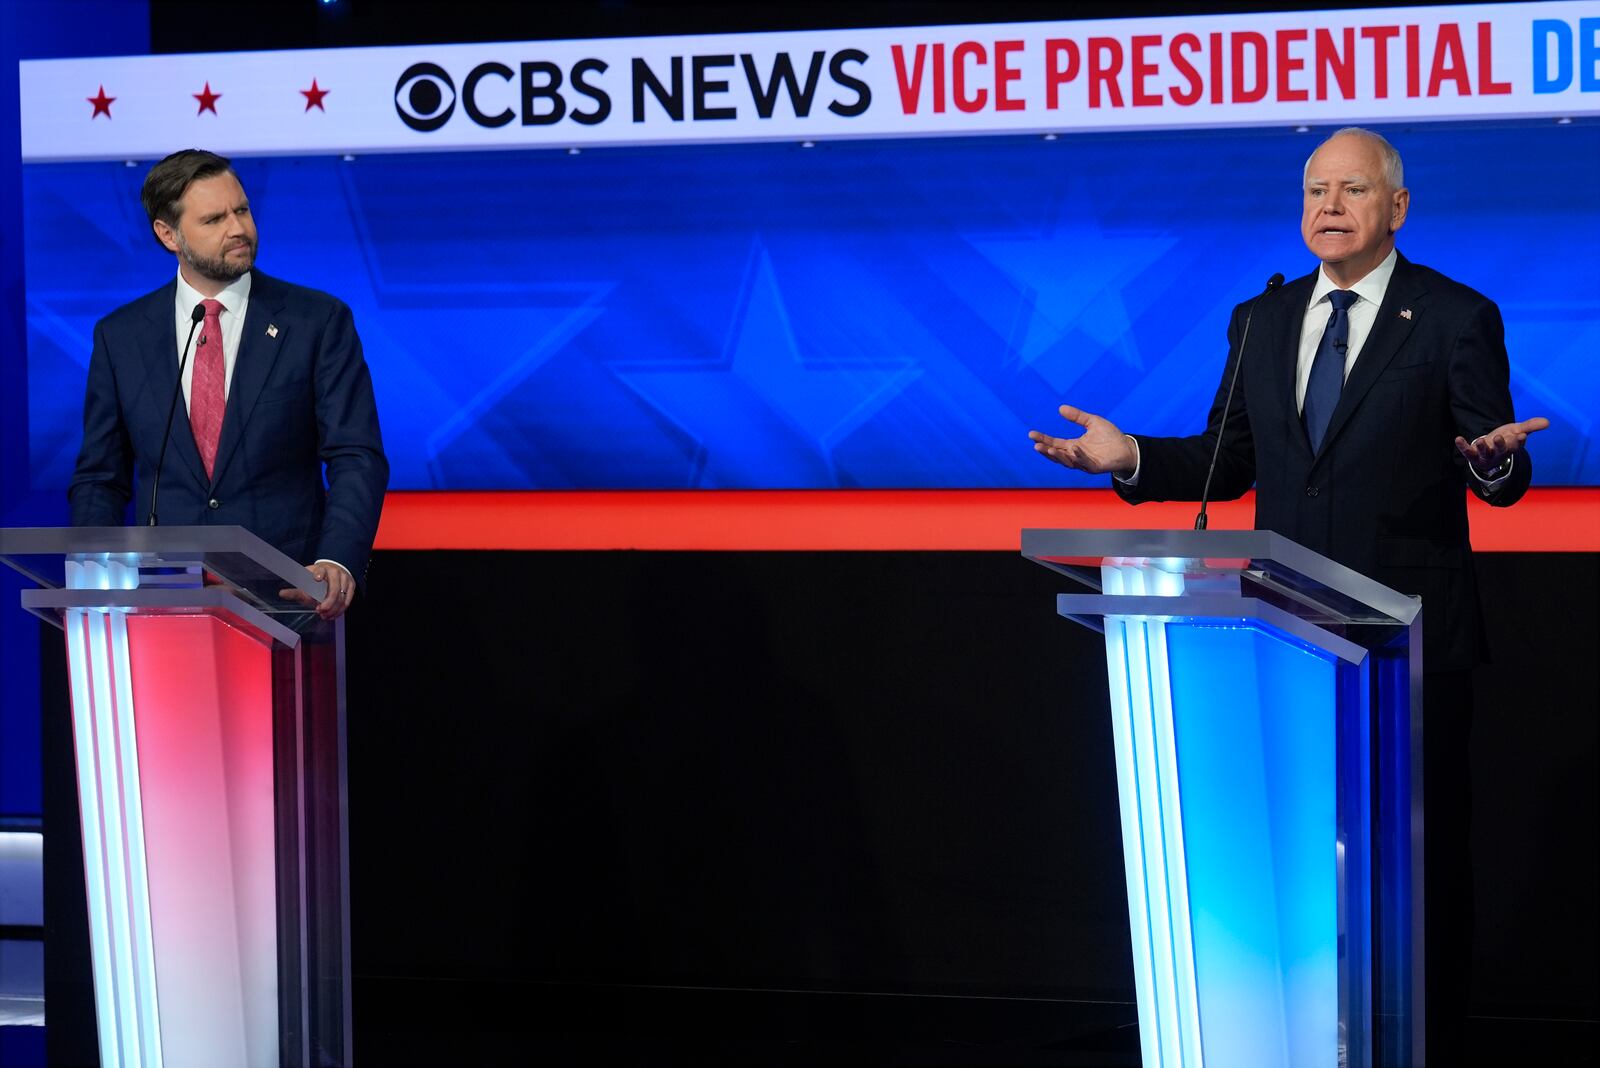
point(314, 97)
point(102, 104)
point(208, 100)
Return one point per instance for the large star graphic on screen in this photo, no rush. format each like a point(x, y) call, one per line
point(1072, 285)
point(61, 319)
point(450, 353)
point(763, 413)
point(502, 347)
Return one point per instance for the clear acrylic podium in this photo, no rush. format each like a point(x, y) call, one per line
point(208, 734)
point(1266, 711)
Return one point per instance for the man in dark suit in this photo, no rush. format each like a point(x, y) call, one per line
point(1373, 394)
point(275, 390)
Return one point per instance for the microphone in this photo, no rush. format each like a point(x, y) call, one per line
point(195, 316)
point(1205, 494)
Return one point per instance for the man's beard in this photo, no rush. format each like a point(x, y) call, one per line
point(217, 268)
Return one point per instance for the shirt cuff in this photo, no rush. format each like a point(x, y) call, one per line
point(1133, 479)
point(338, 565)
point(1492, 484)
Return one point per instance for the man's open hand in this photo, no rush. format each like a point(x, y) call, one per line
point(1099, 449)
point(1487, 452)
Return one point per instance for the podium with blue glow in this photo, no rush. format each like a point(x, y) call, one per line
point(1266, 713)
point(208, 739)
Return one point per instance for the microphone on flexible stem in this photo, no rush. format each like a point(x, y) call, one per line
point(195, 316)
point(1205, 494)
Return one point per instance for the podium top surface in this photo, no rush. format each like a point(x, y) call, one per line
point(169, 558)
point(1258, 563)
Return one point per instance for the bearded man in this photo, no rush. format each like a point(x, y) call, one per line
point(276, 392)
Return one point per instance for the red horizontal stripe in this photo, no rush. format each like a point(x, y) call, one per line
point(1546, 520)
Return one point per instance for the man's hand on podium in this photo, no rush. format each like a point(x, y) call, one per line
point(1100, 449)
point(341, 589)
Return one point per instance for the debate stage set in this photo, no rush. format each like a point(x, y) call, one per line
point(732, 682)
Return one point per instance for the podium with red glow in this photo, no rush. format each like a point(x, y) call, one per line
point(1267, 725)
point(208, 735)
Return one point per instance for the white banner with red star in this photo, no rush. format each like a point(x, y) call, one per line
point(1297, 68)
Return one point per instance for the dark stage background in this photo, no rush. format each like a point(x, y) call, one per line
point(847, 772)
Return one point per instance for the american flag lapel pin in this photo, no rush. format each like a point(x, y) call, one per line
point(1405, 313)
point(272, 328)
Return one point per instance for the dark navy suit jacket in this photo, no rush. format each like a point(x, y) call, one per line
point(1386, 493)
point(300, 400)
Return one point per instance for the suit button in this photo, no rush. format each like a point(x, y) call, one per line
point(1311, 491)
point(213, 503)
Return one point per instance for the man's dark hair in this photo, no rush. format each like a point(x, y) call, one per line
point(168, 180)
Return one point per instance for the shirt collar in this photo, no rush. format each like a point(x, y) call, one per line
point(233, 296)
point(1371, 288)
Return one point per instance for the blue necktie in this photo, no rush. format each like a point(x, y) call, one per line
point(1327, 369)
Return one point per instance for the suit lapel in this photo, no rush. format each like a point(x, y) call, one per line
point(160, 356)
point(258, 350)
point(1389, 332)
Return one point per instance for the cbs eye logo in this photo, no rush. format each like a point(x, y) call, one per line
point(424, 97)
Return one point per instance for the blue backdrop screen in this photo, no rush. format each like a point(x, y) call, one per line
point(872, 314)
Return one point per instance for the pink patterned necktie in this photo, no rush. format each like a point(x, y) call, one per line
point(208, 388)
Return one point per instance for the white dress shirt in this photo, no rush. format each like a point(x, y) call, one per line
point(234, 298)
point(1363, 313)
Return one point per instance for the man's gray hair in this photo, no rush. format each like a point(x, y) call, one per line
point(1394, 172)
